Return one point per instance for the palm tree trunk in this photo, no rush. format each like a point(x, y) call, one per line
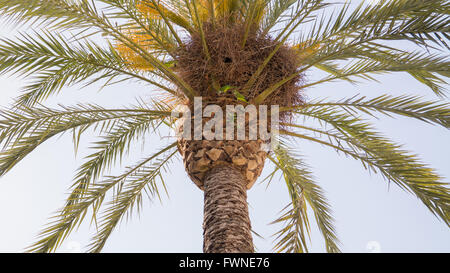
point(226, 224)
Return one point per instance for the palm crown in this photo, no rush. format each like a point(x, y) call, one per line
point(176, 46)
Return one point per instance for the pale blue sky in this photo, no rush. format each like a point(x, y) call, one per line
point(365, 208)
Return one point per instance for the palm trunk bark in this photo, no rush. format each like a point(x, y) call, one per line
point(226, 224)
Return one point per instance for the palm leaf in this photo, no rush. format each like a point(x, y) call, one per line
point(348, 34)
point(358, 140)
point(109, 150)
point(62, 14)
point(434, 112)
point(71, 216)
point(23, 130)
point(302, 189)
point(141, 180)
point(54, 63)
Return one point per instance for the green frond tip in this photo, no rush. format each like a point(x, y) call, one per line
point(356, 138)
point(110, 150)
point(23, 129)
point(62, 14)
point(303, 190)
point(430, 111)
point(368, 61)
point(55, 63)
point(130, 197)
point(71, 216)
point(361, 37)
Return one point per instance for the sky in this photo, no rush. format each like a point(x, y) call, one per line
point(371, 215)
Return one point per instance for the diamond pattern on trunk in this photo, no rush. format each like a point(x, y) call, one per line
point(200, 156)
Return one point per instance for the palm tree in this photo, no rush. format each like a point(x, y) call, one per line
point(230, 52)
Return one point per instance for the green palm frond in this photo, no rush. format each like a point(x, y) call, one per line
point(358, 140)
point(62, 14)
point(160, 30)
point(109, 150)
point(102, 23)
point(411, 20)
point(132, 188)
point(24, 129)
point(434, 112)
point(291, 238)
point(390, 20)
point(425, 67)
point(303, 190)
point(353, 34)
point(274, 13)
point(302, 13)
point(55, 63)
point(71, 216)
